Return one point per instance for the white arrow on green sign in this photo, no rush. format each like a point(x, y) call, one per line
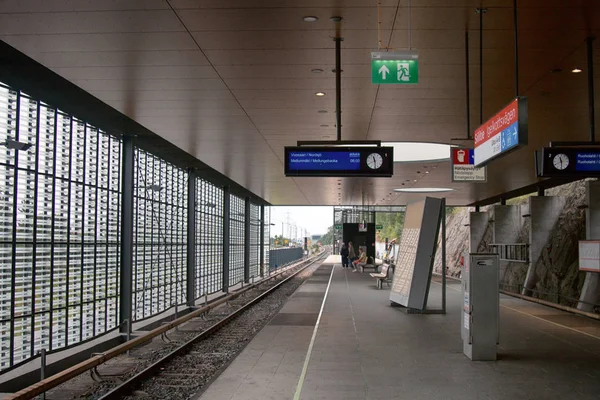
point(395, 67)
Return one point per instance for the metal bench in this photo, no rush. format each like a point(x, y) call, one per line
point(370, 264)
point(382, 276)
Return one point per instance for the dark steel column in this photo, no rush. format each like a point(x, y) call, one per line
point(338, 87)
point(226, 239)
point(502, 201)
point(444, 255)
point(540, 191)
point(468, 85)
point(590, 68)
point(516, 47)
point(191, 239)
point(481, 11)
point(126, 282)
point(261, 250)
point(247, 240)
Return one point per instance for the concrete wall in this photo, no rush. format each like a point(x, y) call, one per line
point(544, 212)
point(478, 223)
point(590, 292)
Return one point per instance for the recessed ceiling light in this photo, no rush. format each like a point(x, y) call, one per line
point(415, 180)
point(310, 18)
point(419, 151)
point(320, 94)
point(322, 111)
point(316, 70)
point(576, 70)
point(423, 190)
point(426, 172)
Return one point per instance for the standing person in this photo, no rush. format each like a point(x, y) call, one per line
point(344, 254)
point(351, 253)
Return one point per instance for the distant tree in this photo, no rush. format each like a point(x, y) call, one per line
point(328, 237)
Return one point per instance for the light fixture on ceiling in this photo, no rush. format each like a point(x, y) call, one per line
point(320, 94)
point(426, 172)
point(325, 137)
point(310, 18)
point(316, 70)
point(576, 70)
point(419, 151)
point(322, 111)
point(415, 180)
point(423, 190)
point(324, 125)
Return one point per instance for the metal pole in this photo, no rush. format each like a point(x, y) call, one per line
point(444, 255)
point(590, 68)
point(226, 210)
point(191, 239)
point(43, 370)
point(481, 11)
point(516, 48)
point(468, 85)
point(338, 87)
point(125, 308)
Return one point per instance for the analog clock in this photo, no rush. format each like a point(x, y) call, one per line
point(374, 160)
point(561, 161)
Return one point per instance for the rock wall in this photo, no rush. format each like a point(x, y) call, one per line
point(557, 269)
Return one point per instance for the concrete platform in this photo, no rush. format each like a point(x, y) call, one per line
point(364, 349)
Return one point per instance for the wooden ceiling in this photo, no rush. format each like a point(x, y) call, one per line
point(230, 81)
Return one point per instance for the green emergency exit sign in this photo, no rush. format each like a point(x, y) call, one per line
point(338, 227)
point(378, 227)
point(394, 68)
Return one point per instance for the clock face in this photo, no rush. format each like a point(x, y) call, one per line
point(561, 161)
point(374, 160)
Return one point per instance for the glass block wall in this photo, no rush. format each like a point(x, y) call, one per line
point(254, 240)
point(209, 238)
point(59, 229)
point(160, 235)
point(237, 215)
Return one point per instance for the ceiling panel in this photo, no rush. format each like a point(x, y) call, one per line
point(230, 81)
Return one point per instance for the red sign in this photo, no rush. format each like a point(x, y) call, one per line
point(499, 122)
point(461, 156)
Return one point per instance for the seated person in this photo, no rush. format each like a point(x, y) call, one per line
point(360, 260)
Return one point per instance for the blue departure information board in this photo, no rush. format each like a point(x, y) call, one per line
point(325, 160)
point(569, 162)
point(339, 161)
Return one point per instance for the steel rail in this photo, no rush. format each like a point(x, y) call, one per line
point(136, 380)
point(43, 386)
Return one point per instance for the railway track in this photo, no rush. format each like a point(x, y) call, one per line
point(181, 363)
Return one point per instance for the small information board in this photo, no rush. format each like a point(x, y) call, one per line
point(503, 133)
point(339, 161)
point(575, 162)
point(401, 67)
point(463, 169)
point(589, 255)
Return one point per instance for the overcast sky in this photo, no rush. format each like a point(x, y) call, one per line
point(315, 219)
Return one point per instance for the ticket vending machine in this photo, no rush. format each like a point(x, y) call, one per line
point(481, 306)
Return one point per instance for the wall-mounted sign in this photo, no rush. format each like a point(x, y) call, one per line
point(463, 169)
point(378, 227)
point(398, 68)
point(589, 255)
point(504, 132)
point(339, 161)
point(556, 162)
